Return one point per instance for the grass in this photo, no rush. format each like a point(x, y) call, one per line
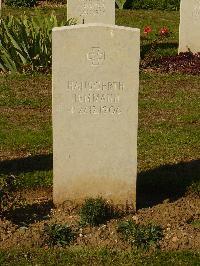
point(168, 143)
point(168, 127)
point(96, 257)
point(22, 99)
point(168, 119)
point(130, 18)
point(61, 12)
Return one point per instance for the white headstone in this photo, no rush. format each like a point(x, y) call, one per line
point(189, 39)
point(95, 112)
point(91, 11)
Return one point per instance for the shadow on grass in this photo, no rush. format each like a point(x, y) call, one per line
point(157, 46)
point(31, 213)
point(26, 165)
point(166, 182)
point(153, 186)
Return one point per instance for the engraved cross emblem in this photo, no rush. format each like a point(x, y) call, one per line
point(96, 56)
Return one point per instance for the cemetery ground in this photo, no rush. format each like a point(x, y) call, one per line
point(168, 179)
point(168, 188)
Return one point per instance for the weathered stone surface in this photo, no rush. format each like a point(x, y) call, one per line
point(91, 11)
point(189, 39)
point(95, 112)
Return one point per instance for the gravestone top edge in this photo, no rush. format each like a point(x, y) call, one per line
point(102, 25)
point(92, 11)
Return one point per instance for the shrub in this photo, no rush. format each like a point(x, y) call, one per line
point(21, 3)
point(156, 4)
point(26, 43)
point(141, 236)
point(96, 211)
point(58, 234)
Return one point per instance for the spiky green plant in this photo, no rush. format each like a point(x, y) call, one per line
point(120, 3)
point(59, 234)
point(140, 236)
point(96, 211)
point(25, 43)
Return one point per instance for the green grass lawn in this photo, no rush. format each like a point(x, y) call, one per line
point(96, 257)
point(168, 141)
point(153, 45)
point(129, 18)
point(168, 122)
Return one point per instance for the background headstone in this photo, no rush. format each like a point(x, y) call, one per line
point(91, 11)
point(95, 112)
point(189, 39)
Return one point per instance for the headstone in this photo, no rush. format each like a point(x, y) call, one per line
point(95, 112)
point(91, 11)
point(189, 39)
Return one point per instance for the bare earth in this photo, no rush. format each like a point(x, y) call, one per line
point(23, 227)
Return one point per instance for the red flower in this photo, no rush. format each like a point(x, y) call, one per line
point(164, 31)
point(147, 30)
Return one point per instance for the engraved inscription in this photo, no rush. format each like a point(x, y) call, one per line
point(92, 7)
point(96, 56)
point(97, 110)
point(95, 97)
point(74, 85)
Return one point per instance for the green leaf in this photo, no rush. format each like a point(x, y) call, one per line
point(120, 3)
